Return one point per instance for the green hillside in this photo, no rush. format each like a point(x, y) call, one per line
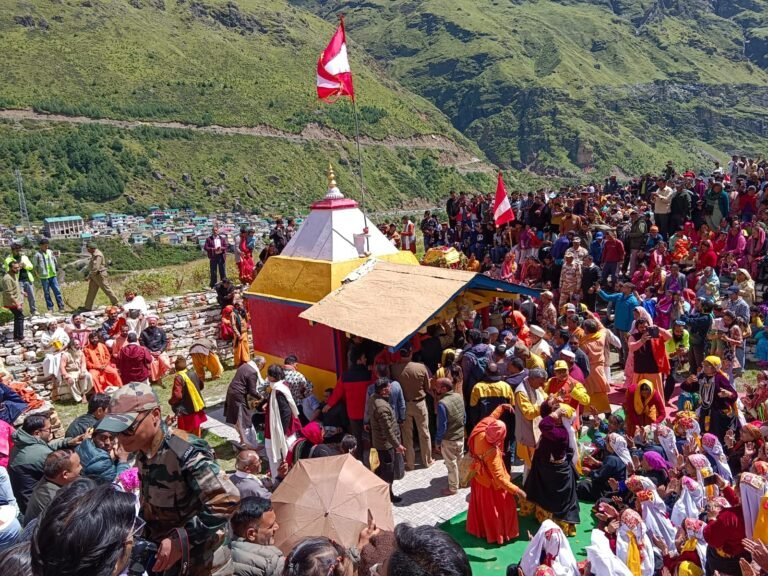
point(568, 86)
point(563, 88)
point(86, 169)
point(240, 63)
point(249, 63)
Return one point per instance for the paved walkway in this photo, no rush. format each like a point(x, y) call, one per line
point(423, 503)
point(216, 424)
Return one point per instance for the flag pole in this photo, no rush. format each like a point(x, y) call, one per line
point(362, 181)
point(359, 161)
point(359, 155)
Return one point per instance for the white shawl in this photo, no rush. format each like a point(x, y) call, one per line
point(279, 444)
point(656, 522)
point(690, 502)
point(568, 423)
point(56, 343)
point(668, 444)
point(552, 541)
point(619, 446)
point(654, 511)
point(721, 462)
point(601, 558)
point(752, 488)
point(641, 536)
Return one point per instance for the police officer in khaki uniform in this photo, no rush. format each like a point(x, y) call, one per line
point(186, 499)
point(96, 273)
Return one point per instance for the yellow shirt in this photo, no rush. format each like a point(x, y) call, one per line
point(534, 361)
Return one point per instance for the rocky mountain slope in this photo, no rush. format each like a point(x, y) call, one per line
point(573, 86)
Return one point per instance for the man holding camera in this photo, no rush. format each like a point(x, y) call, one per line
point(186, 499)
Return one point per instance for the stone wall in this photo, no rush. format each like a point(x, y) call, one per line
point(185, 319)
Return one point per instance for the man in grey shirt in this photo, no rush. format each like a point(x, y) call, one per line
point(247, 465)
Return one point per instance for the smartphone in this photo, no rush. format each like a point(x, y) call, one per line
point(710, 480)
point(653, 331)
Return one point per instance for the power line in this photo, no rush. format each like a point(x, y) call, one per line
point(22, 201)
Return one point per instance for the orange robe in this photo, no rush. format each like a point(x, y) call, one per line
point(97, 360)
point(492, 508)
point(596, 384)
point(159, 367)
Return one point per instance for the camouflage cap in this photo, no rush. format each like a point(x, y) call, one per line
point(126, 404)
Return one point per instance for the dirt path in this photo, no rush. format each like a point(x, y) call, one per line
point(451, 153)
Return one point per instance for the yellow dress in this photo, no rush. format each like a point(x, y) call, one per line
point(761, 523)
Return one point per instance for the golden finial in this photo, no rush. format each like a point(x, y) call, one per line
point(333, 192)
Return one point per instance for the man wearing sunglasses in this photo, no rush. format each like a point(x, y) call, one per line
point(186, 499)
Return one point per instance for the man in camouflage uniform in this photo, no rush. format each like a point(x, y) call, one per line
point(184, 494)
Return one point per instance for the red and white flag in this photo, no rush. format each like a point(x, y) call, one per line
point(334, 76)
point(502, 209)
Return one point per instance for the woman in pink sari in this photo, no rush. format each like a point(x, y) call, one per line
point(508, 267)
point(664, 310)
point(735, 242)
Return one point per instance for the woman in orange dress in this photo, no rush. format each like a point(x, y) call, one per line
point(98, 361)
point(492, 508)
point(241, 349)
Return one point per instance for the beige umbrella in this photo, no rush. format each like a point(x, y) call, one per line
point(331, 496)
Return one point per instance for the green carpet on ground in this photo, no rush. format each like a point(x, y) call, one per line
point(491, 559)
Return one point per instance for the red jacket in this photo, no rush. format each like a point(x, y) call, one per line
point(708, 258)
point(133, 363)
point(726, 532)
point(353, 389)
point(613, 251)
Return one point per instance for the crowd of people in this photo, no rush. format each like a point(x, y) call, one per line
point(621, 385)
point(124, 492)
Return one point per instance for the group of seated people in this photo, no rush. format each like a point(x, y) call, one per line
point(128, 346)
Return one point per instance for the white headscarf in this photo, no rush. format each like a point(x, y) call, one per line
point(551, 540)
point(667, 440)
point(619, 446)
point(631, 523)
point(601, 558)
point(690, 502)
point(752, 488)
point(644, 314)
point(654, 514)
point(694, 529)
point(712, 447)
